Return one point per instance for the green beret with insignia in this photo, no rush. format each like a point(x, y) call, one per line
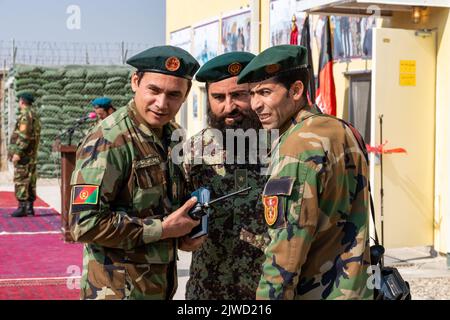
point(225, 66)
point(26, 96)
point(273, 61)
point(168, 60)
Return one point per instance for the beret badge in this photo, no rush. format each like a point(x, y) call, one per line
point(173, 64)
point(272, 68)
point(234, 68)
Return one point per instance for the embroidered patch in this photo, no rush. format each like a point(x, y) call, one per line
point(173, 64)
point(240, 179)
point(23, 127)
point(272, 68)
point(234, 68)
point(147, 162)
point(270, 209)
point(85, 195)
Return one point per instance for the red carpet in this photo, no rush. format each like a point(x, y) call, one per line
point(39, 290)
point(35, 262)
point(37, 256)
point(44, 220)
point(37, 267)
point(8, 199)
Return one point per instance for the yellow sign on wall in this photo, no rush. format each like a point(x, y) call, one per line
point(408, 73)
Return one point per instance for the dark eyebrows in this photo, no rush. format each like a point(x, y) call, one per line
point(159, 90)
point(214, 94)
point(154, 87)
point(259, 90)
point(176, 93)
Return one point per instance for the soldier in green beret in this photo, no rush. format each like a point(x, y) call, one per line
point(316, 198)
point(228, 265)
point(22, 151)
point(128, 196)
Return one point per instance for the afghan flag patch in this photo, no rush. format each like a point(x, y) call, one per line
point(87, 194)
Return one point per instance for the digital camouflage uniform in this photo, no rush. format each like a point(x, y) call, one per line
point(123, 184)
point(228, 264)
point(317, 202)
point(25, 143)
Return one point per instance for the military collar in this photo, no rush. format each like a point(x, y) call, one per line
point(147, 131)
point(25, 109)
point(304, 113)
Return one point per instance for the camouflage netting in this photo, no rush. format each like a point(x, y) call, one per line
point(63, 95)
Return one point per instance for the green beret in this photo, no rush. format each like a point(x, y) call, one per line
point(168, 60)
point(28, 97)
point(273, 61)
point(225, 66)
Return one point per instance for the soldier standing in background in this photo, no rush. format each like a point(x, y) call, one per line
point(22, 152)
point(127, 202)
point(316, 199)
point(228, 264)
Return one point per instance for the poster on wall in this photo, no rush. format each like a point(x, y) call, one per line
point(352, 36)
point(235, 35)
point(181, 38)
point(280, 20)
point(206, 44)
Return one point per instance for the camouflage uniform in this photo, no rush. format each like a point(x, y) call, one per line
point(228, 265)
point(25, 143)
point(124, 183)
point(317, 202)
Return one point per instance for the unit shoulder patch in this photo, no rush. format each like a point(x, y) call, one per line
point(270, 209)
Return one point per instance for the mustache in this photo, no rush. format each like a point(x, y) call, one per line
point(250, 120)
point(233, 113)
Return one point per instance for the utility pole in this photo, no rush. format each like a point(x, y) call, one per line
point(13, 52)
point(124, 53)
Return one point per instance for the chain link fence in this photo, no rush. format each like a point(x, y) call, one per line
point(47, 53)
point(63, 95)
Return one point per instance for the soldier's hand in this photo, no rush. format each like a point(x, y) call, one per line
point(15, 158)
point(178, 223)
point(188, 244)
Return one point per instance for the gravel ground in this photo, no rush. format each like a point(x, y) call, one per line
point(430, 288)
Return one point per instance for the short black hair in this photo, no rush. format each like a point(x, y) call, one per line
point(287, 79)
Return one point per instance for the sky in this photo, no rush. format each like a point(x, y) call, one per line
point(137, 21)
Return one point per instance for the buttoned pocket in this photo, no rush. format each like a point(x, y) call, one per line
point(148, 172)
